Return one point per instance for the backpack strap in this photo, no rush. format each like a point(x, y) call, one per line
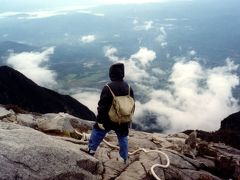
point(114, 94)
point(110, 90)
point(128, 89)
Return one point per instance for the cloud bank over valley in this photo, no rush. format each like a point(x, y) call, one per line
point(196, 97)
point(34, 66)
point(88, 38)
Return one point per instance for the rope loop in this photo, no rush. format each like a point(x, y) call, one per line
point(86, 137)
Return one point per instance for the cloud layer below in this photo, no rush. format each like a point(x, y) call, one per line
point(88, 97)
point(195, 98)
point(34, 66)
point(41, 14)
point(88, 38)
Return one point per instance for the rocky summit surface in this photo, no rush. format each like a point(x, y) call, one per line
point(48, 147)
point(17, 89)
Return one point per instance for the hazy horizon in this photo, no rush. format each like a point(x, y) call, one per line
point(21, 5)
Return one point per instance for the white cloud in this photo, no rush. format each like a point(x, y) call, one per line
point(33, 65)
point(40, 14)
point(110, 53)
point(131, 1)
point(192, 53)
point(98, 14)
point(136, 64)
point(143, 26)
point(135, 21)
point(148, 25)
point(144, 56)
point(139, 1)
point(116, 35)
point(31, 15)
point(88, 38)
point(27, 15)
point(162, 37)
point(7, 14)
point(88, 97)
point(195, 98)
point(134, 72)
point(88, 65)
point(163, 32)
point(76, 3)
point(163, 44)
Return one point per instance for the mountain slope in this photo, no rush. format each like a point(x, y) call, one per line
point(17, 89)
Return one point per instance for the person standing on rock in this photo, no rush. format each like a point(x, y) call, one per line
point(103, 123)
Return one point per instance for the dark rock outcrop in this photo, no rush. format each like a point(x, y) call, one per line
point(231, 122)
point(229, 132)
point(17, 89)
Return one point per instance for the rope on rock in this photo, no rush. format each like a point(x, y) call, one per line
point(86, 137)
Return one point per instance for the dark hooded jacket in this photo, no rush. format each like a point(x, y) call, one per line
point(119, 88)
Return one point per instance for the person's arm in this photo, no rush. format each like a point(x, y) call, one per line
point(131, 93)
point(104, 105)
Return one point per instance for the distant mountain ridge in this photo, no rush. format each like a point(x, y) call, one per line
point(10, 46)
point(17, 89)
point(15, 46)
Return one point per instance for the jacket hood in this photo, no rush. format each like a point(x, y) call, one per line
point(116, 72)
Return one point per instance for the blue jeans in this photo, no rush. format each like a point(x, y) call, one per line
point(97, 136)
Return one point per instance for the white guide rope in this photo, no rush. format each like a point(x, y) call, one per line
point(86, 137)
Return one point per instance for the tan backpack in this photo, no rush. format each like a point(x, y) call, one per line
point(122, 108)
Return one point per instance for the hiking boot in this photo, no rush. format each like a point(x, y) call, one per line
point(88, 151)
point(125, 161)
